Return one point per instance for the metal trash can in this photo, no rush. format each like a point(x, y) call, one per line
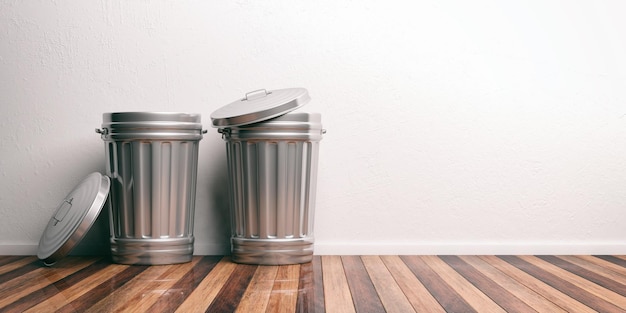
point(152, 161)
point(272, 166)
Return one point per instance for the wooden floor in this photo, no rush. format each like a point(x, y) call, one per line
point(329, 283)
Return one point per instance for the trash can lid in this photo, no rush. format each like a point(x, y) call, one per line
point(259, 105)
point(73, 218)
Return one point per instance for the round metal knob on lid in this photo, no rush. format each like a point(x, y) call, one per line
point(73, 218)
point(260, 105)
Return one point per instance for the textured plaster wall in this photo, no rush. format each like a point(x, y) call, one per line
point(453, 126)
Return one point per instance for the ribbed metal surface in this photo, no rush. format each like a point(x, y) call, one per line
point(153, 186)
point(273, 175)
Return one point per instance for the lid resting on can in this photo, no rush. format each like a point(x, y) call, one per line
point(158, 118)
point(122, 126)
point(260, 105)
point(73, 218)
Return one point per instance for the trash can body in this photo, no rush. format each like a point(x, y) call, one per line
point(152, 160)
point(272, 170)
point(273, 175)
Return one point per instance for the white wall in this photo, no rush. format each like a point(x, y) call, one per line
point(453, 126)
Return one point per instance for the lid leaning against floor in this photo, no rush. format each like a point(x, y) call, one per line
point(73, 218)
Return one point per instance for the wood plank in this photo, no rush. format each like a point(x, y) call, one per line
point(104, 289)
point(6, 259)
point(76, 286)
point(337, 294)
point(613, 259)
point(200, 299)
point(608, 282)
point(390, 293)
point(285, 292)
point(551, 275)
point(306, 289)
point(478, 300)
point(516, 288)
point(38, 279)
point(158, 289)
point(552, 294)
point(318, 287)
point(18, 270)
point(604, 267)
point(135, 287)
point(413, 289)
point(52, 287)
point(257, 295)
point(448, 297)
point(185, 286)
point(364, 295)
point(230, 294)
point(555, 265)
point(491, 289)
point(16, 264)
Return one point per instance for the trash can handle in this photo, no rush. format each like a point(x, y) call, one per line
point(225, 132)
point(62, 211)
point(255, 91)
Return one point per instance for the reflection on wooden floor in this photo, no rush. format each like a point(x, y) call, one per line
point(329, 283)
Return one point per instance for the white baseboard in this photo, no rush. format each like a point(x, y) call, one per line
point(383, 248)
point(26, 249)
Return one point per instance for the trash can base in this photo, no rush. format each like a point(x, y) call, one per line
point(272, 251)
point(152, 251)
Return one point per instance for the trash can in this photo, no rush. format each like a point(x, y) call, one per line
point(272, 168)
point(152, 160)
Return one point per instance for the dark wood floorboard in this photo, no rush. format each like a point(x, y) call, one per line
point(317, 282)
point(306, 291)
point(183, 287)
point(563, 285)
point(600, 280)
point(364, 294)
point(53, 289)
point(103, 290)
point(445, 295)
point(492, 289)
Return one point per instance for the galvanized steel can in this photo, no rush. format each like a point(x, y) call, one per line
point(152, 161)
point(272, 166)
